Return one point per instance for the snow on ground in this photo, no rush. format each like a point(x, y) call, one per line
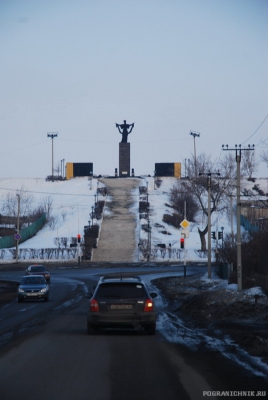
point(159, 197)
point(71, 206)
point(73, 199)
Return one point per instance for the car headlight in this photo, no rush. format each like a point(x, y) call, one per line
point(21, 290)
point(43, 290)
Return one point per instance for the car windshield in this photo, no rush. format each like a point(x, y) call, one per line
point(33, 281)
point(121, 290)
point(38, 269)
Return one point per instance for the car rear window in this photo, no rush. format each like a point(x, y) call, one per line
point(121, 290)
point(33, 281)
point(37, 269)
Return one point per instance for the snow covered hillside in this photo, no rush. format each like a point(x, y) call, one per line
point(72, 203)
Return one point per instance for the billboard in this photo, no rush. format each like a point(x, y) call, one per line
point(168, 169)
point(74, 170)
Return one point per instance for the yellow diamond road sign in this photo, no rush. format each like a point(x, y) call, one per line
point(185, 224)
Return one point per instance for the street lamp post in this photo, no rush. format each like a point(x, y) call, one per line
point(52, 135)
point(195, 134)
point(97, 191)
point(92, 215)
point(18, 228)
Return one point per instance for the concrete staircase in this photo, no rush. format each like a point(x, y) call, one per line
point(117, 241)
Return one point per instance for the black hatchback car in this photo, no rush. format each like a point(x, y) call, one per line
point(121, 302)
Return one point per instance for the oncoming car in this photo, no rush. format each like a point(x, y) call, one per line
point(38, 270)
point(121, 302)
point(33, 287)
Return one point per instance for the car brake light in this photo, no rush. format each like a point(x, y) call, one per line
point(148, 306)
point(94, 306)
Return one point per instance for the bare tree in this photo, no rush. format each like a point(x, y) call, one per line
point(264, 157)
point(57, 169)
point(178, 196)
point(53, 220)
point(63, 215)
point(10, 204)
point(220, 186)
point(249, 163)
point(47, 205)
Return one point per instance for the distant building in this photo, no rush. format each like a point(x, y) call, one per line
point(168, 169)
point(74, 170)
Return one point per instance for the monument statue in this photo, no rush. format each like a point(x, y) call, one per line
point(124, 130)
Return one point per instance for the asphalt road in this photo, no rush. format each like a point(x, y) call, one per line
point(46, 354)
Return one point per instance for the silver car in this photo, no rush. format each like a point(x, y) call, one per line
point(33, 287)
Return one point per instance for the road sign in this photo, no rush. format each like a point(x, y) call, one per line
point(17, 236)
point(185, 224)
point(185, 233)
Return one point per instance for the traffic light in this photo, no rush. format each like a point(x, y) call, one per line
point(213, 235)
point(182, 243)
point(219, 235)
point(78, 238)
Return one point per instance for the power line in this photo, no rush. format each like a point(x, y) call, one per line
point(256, 129)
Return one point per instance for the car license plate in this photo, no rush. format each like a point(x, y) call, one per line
point(32, 294)
point(121, 306)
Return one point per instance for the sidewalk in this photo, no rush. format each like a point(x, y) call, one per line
point(117, 240)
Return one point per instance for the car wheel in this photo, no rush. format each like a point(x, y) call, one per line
point(20, 300)
point(150, 329)
point(91, 329)
point(46, 298)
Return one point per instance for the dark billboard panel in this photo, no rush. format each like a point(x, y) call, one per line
point(82, 169)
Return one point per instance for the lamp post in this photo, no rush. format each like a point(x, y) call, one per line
point(18, 228)
point(195, 134)
point(52, 135)
point(90, 178)
point(92, 215)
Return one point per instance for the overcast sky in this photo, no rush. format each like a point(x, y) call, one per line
point(77, 67)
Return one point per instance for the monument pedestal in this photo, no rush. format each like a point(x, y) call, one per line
point(124, 159)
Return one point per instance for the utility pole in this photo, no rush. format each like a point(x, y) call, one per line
point(184, 268)
point(149, 241)
point(18, 228)
point(238, 154)
point(52, 135)
point(195, 134)
point(208, 174)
